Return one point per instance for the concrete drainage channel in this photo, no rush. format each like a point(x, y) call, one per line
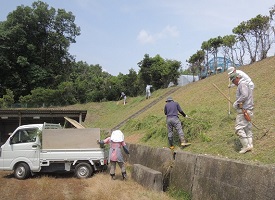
point(204, 177)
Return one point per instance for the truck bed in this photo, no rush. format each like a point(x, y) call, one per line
point(67, 139)
point(72, 154)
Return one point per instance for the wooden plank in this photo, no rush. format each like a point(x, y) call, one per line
point(74, 123)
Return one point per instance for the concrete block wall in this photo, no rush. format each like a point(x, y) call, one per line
point(147, 177)
point(208, 177)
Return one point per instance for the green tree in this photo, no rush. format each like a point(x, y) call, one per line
point(215, 43)
point(195, 63)
point(131, 83)
point(228, 47)
point(256, 35)
point(34, 47)
point(145, 69)
point(158, 72)
point(7, 100)
point(260, 28)
point(40, 97)
point(205, 46)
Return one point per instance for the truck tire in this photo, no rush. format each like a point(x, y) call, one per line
point(22, 171)
point(83, 170)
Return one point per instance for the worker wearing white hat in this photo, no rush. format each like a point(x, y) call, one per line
point(246, 78)
point(244, 103)
point(116, 141)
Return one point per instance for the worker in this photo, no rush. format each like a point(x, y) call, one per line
point(232, 70)
point(116, 142)
point(148, 91)
point(123, 96)
point(244, 105)
point(171, 110)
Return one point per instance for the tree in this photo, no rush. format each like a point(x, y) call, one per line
point(195, 62)
point(34, 47)
point(215, 43)
point(255, 34)
point(7, 100)
point(205, 46)
point(228, 47)
point(131, 83)
point(145, 71)
point(158, 72)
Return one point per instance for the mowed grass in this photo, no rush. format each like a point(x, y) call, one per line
point(67, 187)
point(211, 129)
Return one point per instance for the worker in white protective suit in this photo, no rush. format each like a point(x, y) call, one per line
point(148, 91)
point(232, 70)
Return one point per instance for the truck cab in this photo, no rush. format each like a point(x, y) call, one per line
point(23, 152)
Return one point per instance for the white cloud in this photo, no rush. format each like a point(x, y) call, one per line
point(145, 37)
point(169, 31)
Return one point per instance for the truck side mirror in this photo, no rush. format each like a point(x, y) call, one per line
point(11, 140)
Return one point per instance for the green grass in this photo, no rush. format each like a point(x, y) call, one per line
point(211, 129)
point(178, 194)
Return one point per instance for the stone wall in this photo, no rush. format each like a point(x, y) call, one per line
point(207, 177)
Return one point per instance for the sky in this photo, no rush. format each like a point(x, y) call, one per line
point(116, 34)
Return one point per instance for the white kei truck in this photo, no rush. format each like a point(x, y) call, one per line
point(35, 148)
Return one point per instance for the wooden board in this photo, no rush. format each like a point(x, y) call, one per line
point(74, 123)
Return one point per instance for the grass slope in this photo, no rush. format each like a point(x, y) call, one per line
point(211, 129)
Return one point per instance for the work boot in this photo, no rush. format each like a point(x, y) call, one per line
point(113, 176)
point(170, 140)
point(124, 175)
point(244, 142)
point(184, 143)
point(250, 144)
point(172, 147)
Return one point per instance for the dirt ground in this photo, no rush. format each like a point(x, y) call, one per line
point(67, 187)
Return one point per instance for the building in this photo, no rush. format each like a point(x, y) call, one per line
point(221, 64)
point(10, 119)
point(185, 79)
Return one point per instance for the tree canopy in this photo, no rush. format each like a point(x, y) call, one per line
point(34, 47)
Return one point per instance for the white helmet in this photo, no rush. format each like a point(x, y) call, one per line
point(230, 70)
point(117, 136)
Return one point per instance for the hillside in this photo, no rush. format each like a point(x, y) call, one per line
point(211, 129)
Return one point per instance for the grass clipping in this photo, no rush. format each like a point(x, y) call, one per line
point(156, 130)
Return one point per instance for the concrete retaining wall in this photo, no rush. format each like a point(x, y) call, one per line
point(147, 177)
point(208, 177)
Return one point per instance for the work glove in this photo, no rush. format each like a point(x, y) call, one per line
point(235, 105)
point(101, 143)
point(240, 105)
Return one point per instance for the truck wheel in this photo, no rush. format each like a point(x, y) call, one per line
point(83, 170)
point(22, 171)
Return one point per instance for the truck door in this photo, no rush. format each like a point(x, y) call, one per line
point(23, 145)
